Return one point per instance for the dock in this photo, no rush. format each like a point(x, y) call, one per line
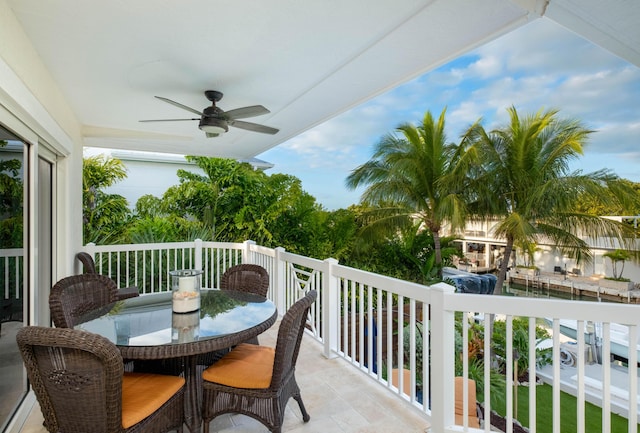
point(575, 286)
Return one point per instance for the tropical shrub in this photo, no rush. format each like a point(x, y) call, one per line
point(520, 343)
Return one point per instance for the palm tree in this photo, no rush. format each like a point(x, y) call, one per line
point(522, 176)
point(617, 256)
point(407, 179)
point(104, 215)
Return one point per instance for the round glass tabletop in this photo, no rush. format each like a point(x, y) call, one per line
point(149, 320)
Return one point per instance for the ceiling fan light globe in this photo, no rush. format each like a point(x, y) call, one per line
point(213, 126)
point(213, 129)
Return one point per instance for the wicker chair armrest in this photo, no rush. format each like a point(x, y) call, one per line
point(127, 292)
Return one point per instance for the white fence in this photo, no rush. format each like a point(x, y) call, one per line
point(414, 339)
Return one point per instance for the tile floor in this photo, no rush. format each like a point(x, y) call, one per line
point(339, 399)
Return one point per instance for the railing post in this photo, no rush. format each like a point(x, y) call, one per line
point(279, 280)
point(246, 252)
point(197, 251)
point(442, 364)
point(330, 309)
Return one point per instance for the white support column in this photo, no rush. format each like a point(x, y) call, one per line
point(197, 252)
point(487, 255)
point(246, 252)
point(442, 362)
point(464, 255)
point(330, 309)
point(279, 281)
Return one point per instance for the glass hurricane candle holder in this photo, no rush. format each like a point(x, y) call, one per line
point(185, 285)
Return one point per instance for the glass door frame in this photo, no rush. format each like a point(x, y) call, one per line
point(35, 299)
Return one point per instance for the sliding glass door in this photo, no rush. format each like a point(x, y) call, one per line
point(13, 271)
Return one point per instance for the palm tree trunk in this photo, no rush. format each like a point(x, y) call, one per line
point(437, 248)
point(502, 271)
point(502, 274)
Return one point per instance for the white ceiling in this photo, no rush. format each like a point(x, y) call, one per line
point(306, 61)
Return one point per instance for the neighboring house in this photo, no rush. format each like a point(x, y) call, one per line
point(154, 173)
point(482, 251)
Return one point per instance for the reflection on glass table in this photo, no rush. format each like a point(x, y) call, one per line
point(149, 320)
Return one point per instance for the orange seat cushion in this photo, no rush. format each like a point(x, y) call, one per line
point(473, 420)
point(406, 379)
point(246, 366)
point(145, 393)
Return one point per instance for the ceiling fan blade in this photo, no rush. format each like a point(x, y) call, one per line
point(177, 104)
point(253, 127)
point(244, 112)
point(166, 120)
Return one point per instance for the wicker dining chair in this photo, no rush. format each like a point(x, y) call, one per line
point(80, 384)
point(79, 298)
point(89, 266)
point(257, 381)
point(246, 278)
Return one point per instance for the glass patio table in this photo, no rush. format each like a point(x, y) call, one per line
point(145, 328)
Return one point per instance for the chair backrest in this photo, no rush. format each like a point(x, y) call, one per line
point(76, 377)
point(246, 278)
point(79, 298)
point(87, 262)
point(89, 266)
point(289, 338)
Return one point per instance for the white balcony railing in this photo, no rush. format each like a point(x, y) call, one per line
point(11, 264)
point(381, 325)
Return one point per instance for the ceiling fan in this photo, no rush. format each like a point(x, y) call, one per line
point(215, 121)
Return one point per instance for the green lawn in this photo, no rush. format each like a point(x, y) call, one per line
point(568, 403)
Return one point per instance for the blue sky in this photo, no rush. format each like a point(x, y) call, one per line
point(539, 66)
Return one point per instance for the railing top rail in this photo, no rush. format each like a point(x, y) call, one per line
point(262, 250)
point(161, 245)
point(532, 307)
point(225, 245)
point(302, 260)
point(11, 252)
point(140, 247)
point(405, 288)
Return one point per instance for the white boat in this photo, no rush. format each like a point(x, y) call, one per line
point(618, 334)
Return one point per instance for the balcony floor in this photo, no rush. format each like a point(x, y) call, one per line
point(339, 399)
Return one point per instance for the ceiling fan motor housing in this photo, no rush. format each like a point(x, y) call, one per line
point(213, 121)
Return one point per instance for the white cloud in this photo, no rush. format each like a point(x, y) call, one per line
point(449, 78)
point(617, 137)
point(486, 67)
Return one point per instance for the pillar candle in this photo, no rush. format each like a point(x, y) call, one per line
point(187, 284)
